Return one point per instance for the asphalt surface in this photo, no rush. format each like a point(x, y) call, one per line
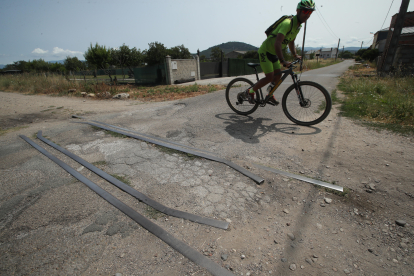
point(52, 224)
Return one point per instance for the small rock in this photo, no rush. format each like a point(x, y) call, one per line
point(72, 90)
point(302, 267)
point(403, 245)
point(347, 271)
point(309, 261)
point(84, 94)
point(275, 241)
point(315, 256)
point(286, 211)
point(395, 261)
point(328, 200)
point(323, 205)
point(292, 267)
point(400, 223)
point(242, 257)
point(319, 225)
point(291, 236)
point(224, 257)
point(314, 260)
point(371, 250)
point(247, 273)
point(283, 260)
point(121, 96)
point(91, 95)
point(287, 224)
point(334, 269)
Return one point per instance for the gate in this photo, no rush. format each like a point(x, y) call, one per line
point(210, 70)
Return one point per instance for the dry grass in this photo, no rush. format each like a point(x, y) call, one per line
point(59, 86)
point(385, 102)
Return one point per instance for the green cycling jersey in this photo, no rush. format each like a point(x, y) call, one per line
point(284, 27)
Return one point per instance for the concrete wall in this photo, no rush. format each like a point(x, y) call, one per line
point(181, 69)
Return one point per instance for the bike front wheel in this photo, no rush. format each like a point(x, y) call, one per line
point(315, 108)
point(235, 96)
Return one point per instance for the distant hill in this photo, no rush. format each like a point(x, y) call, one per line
point(229, 47)
point(241, 46)
point(2, 66)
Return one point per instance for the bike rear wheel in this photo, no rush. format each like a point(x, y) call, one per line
point(234, 97)
point(317, 106)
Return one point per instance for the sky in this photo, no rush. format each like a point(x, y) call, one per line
point(54, 29)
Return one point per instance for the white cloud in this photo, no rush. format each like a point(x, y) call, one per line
point(39, 51)
point(60, 52)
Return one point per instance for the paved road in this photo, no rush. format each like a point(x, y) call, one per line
point(52, 224)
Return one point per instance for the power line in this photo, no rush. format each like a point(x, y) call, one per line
point(387, 14)
point(325, 26)
point(326, 22)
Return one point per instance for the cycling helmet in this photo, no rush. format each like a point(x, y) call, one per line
point(306, 5)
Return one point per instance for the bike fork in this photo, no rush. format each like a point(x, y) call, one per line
point(298, 90)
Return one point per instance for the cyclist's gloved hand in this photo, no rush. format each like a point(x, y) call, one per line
point(298, 57)
point(285, 63)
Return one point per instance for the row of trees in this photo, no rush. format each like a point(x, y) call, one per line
point(101, 57)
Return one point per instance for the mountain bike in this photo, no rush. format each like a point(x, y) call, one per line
point(304, 102)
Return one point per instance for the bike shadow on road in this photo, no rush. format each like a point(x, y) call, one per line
point(249, 129)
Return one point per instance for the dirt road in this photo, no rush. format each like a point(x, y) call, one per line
point(51, 224)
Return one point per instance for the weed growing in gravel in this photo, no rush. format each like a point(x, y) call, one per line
point(122, 179)
point(152, 213)
point(113, 134)
point(170, 151)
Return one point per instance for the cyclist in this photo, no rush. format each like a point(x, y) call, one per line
point(270, 53)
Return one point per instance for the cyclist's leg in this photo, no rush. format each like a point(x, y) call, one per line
point(268, 70)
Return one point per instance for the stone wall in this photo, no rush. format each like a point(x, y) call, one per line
point(182, 69)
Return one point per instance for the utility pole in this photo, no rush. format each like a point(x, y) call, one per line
point(361, 44)
point(399, 23)
point(337, 50)
point(343, 49)
point(303, 48)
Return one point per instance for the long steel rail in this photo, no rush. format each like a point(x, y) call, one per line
point(158, 231)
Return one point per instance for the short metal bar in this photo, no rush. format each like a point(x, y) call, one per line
point(302, 178)
point(156, 230)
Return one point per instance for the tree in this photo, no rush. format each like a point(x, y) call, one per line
point(99, 57)
point(57, 68)
point(203, 58)
point(179, 52)
point(125, 57)
point(216, 54)
point(156, 53)
point(370, 54)
point(346, 54)
point(73, 64)
point(251, 54)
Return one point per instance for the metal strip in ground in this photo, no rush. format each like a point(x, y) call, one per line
point(256, 178)
point(158, 206)
point(147, 135)
point(156, 230)
point(302, 178)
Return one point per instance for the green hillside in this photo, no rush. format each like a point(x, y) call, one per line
point(230, 46)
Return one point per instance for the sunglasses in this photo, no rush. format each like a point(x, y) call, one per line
point(307, 12)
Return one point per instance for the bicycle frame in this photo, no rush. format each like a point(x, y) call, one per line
point(263, 100)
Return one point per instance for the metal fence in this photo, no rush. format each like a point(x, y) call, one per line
point(238, 67)
point(151, 75)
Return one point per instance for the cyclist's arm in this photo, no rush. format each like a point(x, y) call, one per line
point(278, 47)
point(293, 49)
